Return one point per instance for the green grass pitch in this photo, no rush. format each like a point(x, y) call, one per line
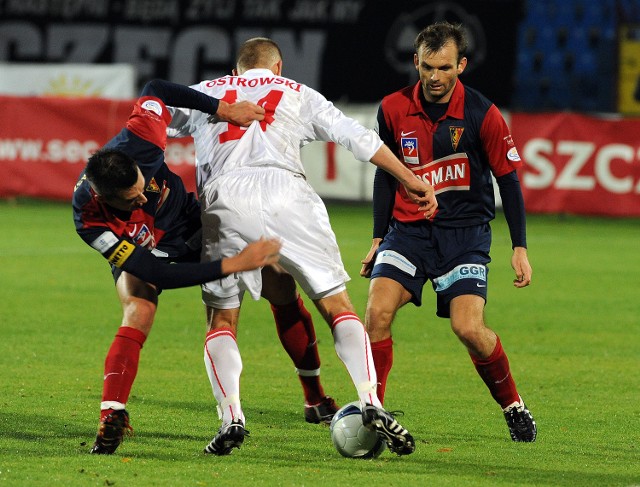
point(573, 339)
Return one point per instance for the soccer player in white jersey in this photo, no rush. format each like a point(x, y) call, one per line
point(251, 184)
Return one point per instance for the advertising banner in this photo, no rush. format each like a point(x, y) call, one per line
point(579, 164)
point(45, 143)
point(573, 163)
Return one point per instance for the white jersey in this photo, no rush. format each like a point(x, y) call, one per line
point(295, 116)
point(251, 181)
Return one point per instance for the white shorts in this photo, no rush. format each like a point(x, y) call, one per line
point(242, 206)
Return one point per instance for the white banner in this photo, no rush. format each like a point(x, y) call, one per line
point(116, 81)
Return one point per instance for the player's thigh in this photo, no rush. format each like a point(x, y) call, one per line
point(139, 301)
point(278, 286)
point(467, 314)
point(386, 296)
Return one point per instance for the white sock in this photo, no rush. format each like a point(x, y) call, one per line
point(224, 366)
point(354, 349)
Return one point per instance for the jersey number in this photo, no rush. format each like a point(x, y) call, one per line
point(269, 102)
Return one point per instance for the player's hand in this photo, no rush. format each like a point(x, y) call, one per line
point(256, 254)
point(241, 113)
point(367, 262)
point(520, 264)
point(423, 195)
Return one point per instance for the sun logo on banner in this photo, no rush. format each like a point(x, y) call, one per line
point(456, 135)
point(71, 87)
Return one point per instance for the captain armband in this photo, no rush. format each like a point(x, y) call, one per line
point(121, 253)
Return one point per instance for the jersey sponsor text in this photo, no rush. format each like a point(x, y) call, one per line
point(447, 173)
point(120, 255)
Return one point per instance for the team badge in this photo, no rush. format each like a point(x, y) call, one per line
point(456, 135)
point(153, 187)
point(410, 149)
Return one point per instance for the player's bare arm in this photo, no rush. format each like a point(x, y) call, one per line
point(367, 262)
point(241, 113)
point(256, 254)
point(521, 266)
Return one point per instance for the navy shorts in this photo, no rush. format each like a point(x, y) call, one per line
point(454, 259)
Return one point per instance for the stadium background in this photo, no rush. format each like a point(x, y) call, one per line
point(564, 72)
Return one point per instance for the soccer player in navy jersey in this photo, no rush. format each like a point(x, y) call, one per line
point(453, 137)
point(132, 209)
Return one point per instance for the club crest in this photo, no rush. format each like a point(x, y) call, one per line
point(456, 135)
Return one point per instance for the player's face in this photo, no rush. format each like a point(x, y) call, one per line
point(439, 71)
point(130, 198)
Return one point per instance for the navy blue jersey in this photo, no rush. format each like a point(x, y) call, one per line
point(456, 154)
point(164, 225)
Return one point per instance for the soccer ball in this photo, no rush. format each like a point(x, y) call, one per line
point(350, 437)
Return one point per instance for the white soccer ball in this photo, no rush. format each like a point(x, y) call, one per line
point(350, 437)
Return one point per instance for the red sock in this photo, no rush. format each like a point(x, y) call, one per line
point(382, 352)
point(298, 337)
point(121, 365)
point(495, 373)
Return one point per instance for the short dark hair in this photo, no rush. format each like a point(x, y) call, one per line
point(435, 36)
point(110, 171)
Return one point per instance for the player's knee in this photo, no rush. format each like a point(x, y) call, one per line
point(471, 333)
point(378, 317)
point(139, 314)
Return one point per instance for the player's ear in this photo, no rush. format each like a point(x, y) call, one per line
point(416, 62)
point(462, 64)
point(277, 68)
point(234, 72)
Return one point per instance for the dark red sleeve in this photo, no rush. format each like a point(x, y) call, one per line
point(149, 120)
point(498, 144)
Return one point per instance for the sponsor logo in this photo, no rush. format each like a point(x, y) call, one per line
point(397, 260)
point(120, 255)
point(410, 149)
point(463, 271)
point(456, 135)
point(513, 155)
point(447, 173)
point(152, 106)
point(404, 134)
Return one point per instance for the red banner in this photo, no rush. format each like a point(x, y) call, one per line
point(579, 164)
point(45, 143)
point(573, 163)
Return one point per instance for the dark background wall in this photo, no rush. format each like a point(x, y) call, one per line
point(351, 50)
